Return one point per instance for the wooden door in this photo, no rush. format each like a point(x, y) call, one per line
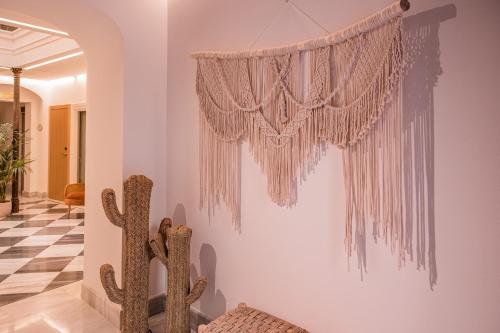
point(58, 150)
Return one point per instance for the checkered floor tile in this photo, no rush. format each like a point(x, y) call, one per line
point(41, 248)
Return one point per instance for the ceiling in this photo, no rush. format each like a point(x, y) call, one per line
point(21, 46)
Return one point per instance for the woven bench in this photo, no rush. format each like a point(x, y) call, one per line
point(245, 319)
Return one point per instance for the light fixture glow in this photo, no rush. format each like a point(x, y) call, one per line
point(33, 26)
point(3, 67)
point(62, 80)
point(51, 61)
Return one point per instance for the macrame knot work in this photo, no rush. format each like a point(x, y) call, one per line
point(287, 102)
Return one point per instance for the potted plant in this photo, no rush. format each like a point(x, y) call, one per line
point(9, 166)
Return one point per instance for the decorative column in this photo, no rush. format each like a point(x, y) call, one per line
point(15, 138)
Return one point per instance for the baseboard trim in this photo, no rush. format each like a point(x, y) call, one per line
point(34, 194)
point(198, 318)
point(105, 307)
point(157, 306)
point(111, 311)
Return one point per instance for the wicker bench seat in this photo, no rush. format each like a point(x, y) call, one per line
point(245, 319)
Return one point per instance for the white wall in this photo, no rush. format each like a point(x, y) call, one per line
point(68, 90)
point(291, 262)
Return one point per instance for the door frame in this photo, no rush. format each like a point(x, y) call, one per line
point(68, 106)
point(74, 144)
point(82, 136)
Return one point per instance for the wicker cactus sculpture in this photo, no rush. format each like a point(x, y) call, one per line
point(175, 256)
point(134, 221)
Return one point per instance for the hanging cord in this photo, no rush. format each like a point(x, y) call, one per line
point(303, 12)
point(275, 16)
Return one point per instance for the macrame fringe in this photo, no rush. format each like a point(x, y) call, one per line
point(288, 104)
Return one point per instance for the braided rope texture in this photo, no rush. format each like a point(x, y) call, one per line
point(245, 319)
point(133, 297)
point(290, 103)
point(171, 247)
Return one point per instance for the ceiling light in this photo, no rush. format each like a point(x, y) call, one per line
point(51, 61)
point(33, 26)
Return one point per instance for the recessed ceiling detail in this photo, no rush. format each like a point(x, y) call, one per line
point(27, 46)
point(8, 28)
point(53, 60)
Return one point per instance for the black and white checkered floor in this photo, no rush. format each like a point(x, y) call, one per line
point(41, 248)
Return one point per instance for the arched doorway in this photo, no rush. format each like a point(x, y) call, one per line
point(101, 42)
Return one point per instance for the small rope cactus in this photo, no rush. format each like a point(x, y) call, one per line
point(136, 252)
point(175, 256)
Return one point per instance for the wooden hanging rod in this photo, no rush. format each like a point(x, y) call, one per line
point(405, 4)
point(393, 10)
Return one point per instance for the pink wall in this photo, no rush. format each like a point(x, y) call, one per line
point(143, 25)
point(291, 262)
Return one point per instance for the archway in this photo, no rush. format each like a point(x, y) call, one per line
point(101, 41)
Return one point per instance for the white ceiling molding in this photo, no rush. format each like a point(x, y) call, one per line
point(38, 47)
point(33, 27)
point(28, 45)
point(25, 40)
point(39, 43)
point(19, 47)
point(14, 34)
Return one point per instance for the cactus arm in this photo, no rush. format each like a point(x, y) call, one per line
point(197, 290)
point(108, 281)
point(111, 209)
point(158, 246)
point(166, 223)
point(151, 254)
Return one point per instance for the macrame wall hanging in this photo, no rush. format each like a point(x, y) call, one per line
point(288, 102)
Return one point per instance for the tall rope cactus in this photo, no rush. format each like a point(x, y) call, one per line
point(134, 221)
point(175, 256)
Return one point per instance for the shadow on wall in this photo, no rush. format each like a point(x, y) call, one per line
point(421, 40)
point(212, 302)
point(179, 216)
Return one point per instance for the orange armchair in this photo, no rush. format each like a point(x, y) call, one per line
point(74, 194)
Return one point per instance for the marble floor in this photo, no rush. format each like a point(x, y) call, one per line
point(60, 310)
point(56, 311)
point(41, 248)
